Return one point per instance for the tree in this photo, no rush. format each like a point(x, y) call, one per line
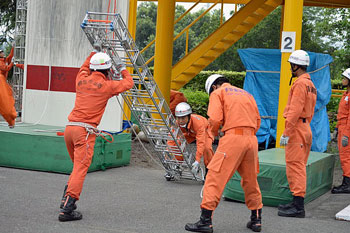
point(7, 19)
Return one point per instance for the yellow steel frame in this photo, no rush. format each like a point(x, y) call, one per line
point(292, 21)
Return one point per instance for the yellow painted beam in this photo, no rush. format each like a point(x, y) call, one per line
point(132, 30)
point(164, 46)
point(292, 22)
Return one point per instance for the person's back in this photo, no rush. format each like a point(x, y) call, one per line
point(237, 106)
point(92, 94)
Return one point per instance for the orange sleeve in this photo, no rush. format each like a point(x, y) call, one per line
point(216, 115)
point(10, 56)
point(21, 66)
point(296, 107)
point(258, 120)
point(176, 97)
point(5, 68)
point(85, 68)
point(199, 127)
point(347, 128)
point(120, 86)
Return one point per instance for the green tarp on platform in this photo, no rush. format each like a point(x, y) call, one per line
point(273, 181)
point(37, 147)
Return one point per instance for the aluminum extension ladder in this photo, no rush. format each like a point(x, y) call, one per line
point(144, 99)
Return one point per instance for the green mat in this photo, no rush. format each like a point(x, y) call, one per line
point(273, 181)
point(37, 147)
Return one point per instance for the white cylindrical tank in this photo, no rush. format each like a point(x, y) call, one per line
point(56, 47)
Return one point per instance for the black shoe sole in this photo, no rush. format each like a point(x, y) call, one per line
point(254, 229)
point(199, 230)
point(291, 215)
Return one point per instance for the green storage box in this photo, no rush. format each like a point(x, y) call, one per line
point(37, 147)
point(273, 180)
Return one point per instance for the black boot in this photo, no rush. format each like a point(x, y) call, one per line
point(64, 198)
point(286, 206)
point(203, 225)
point(67, 212)
point(255, 221)
point(296, 210)
point(344, 187)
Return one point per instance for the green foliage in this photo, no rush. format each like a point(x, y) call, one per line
point(198, 100)
point(198, 82)
point(7, 19)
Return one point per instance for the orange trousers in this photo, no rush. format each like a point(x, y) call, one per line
point(297, 152)
point(208, 151)
point(81, 150)
point(7, 102)
point(344, 152)
point(235, 152)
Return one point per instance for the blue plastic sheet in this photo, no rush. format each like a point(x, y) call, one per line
point(263, 79)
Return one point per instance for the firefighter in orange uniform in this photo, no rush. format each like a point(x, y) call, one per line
point(7, 102)
point(93, 90)
point(176, 97)
point(297, 136)
point(194, 127)
point(343, 127)
point(236, 111)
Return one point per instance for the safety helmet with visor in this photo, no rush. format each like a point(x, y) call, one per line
point(210, 80)
point(100, 61)
point(346, 73)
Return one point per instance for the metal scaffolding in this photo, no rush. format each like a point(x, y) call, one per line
point(19, 53)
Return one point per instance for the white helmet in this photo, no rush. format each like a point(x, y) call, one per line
point(100, 61)
point(346, 73)
point(299, 57)
point(210, 80)
point(183, 109)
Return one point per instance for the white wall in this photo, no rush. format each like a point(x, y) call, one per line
point(54, 38)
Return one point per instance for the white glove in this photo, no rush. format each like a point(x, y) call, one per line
point(119, 64)
point(195, 167)
point(284, 140)
point(97, 47)
point(13, 61)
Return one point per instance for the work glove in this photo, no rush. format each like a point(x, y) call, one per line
point(97, 47)
point(344, 141)
point(195, 167)
point(120, 65)
point(284, 140)
point(13, 61)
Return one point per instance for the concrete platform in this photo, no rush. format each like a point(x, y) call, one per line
point(138, 200)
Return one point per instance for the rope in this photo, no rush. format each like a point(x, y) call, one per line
point(278, 72)
point(92, 130)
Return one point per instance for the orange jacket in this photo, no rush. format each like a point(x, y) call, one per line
point(176, 97)
point(231, 107)
point(196, 130)
point(21, 66)
point(343, 113)
point(301, 103)
point(6, 64)
point(92, 93)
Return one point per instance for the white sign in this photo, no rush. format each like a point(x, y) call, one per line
point(288, 42)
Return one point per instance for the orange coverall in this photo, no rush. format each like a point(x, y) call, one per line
point(197, 130)
point(343, 126)
point(298, 114)
point(176, 97)
point(93, 91)
point(236, 110)
point(7, 102)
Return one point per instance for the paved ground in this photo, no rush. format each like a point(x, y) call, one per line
point(134, 199)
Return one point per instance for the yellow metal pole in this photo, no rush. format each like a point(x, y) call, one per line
point(164, 46)
point(292, 22)
point(132, 30)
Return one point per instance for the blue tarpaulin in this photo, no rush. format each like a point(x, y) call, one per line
point(263, 79)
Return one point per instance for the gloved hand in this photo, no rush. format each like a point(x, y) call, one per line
point(97, 47)
point(120, 64)
point(284, 140)
point(13, 61)
point(345, 141)
point(195, 167)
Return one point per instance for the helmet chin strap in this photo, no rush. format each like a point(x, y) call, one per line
point(293, 71)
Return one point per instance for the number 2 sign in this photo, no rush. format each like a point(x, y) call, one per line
point(288, 42)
